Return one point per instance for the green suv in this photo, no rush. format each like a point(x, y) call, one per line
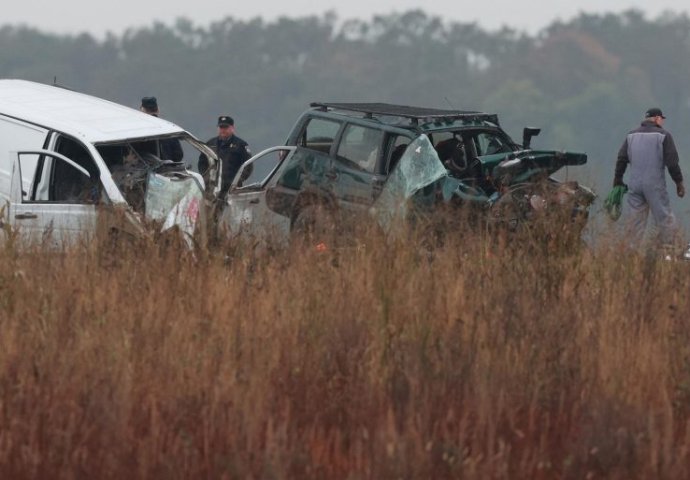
point(343, 158)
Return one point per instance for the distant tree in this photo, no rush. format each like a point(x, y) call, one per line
point(585, 81)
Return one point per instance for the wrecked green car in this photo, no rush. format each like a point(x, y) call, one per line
point(347, 158)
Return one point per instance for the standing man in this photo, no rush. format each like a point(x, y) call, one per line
point(232, 152)
point(649, 149)
point(170, 148)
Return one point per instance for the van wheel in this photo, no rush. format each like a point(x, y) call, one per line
point(314, 224)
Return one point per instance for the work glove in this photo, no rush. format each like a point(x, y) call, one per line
point(680, 189)
point(614, 201)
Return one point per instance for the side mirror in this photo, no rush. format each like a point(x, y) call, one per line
point(527, 134)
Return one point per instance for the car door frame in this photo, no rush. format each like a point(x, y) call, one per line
point(244, 204)
point(48, 221)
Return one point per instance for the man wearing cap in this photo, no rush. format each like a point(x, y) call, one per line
point(231, 150)
point(649, 150)
point(170, 148)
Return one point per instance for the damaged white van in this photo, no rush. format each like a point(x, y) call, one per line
point(71, 164)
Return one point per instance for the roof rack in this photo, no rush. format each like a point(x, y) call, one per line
point(413, 113)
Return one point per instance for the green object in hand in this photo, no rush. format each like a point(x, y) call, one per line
point(614, 202)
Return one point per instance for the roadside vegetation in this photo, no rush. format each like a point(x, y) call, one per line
point(473, 356)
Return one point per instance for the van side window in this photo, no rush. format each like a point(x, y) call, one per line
point(69, 185)
point(319, 134)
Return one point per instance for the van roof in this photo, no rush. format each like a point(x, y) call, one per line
point(92, 119)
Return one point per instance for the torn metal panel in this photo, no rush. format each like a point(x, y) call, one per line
point(175, 200)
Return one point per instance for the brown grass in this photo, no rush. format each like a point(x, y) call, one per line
point(475, 359)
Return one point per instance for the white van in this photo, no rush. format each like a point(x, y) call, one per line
point(71, 163)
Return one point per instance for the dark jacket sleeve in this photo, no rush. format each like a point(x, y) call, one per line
point(621, 163)
point(246, 153)
point(671, 159)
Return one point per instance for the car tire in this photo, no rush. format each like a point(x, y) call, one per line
point(314, 224)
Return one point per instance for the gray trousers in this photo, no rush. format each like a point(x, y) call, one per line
point(640, 201)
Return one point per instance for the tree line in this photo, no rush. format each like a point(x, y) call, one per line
point(586, 81)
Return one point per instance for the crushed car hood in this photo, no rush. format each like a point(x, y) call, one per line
point(521, 165)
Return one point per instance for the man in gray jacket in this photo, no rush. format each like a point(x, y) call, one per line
point(649, 149)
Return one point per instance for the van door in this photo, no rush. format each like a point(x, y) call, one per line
point(53, 198)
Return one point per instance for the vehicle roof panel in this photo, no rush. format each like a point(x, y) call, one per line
point(91, 118)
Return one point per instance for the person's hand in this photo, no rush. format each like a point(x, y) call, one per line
point(680, 189)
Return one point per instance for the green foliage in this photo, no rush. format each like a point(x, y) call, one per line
point(585, 82)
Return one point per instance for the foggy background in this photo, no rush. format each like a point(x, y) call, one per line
point(583, 73)
point(73, 16)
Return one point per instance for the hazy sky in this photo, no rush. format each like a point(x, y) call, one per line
point(76, 16)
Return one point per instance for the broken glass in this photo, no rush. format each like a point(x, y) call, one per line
point(418, 167)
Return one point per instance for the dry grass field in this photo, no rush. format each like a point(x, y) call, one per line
point(479, 359)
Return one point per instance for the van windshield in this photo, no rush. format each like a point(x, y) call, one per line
point(133, 163)
point(180, 148)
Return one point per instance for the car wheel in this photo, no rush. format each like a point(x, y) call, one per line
point(314, 224)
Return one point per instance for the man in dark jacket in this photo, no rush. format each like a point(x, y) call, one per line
point(170, 148)
point(649, 150)
point(231, 150)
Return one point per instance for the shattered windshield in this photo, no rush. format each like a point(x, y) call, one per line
point(180, 149)
point(131, 162)
point(418, 167)
point(157, 179)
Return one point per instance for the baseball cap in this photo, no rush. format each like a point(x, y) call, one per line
point(654, 112)
point(149, 103)
point(225, 120)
